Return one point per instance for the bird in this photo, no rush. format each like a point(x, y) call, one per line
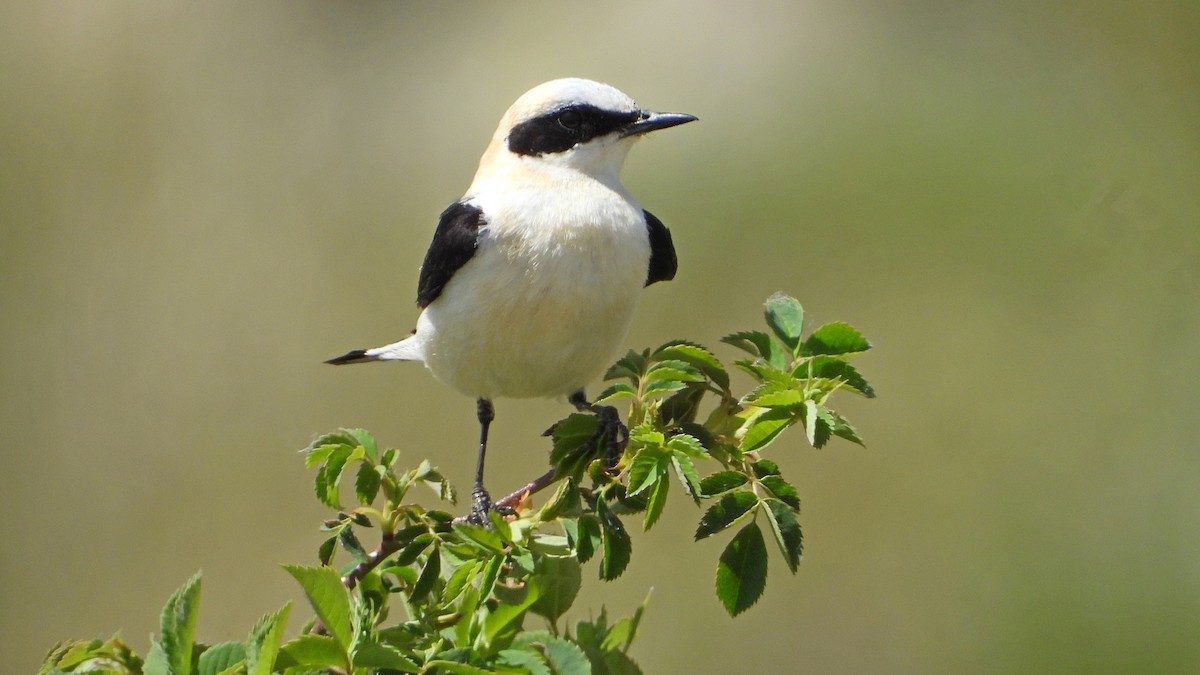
point(532, 278)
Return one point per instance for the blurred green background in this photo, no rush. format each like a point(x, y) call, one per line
point(201, 201)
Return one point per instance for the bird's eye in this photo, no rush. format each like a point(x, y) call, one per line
point(570, 119)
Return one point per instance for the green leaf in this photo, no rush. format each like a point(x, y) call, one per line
point(506, 615)
point(455, 668)
point(786, 530)
point(409, 554)
point(588, 537)
point(178, 626)
point(491, 572)
point(842, 428)
point(661, 387)
point(776, 395)
point(559, 580)
point(366, 486)
point(351, 544)
point(782, 490)
point(524, 660)
point(687, 445)
point(742, 570)
point(480, 536)
point(835, 338)
point(629, 366)
point(329, 599)
point(646, 468)
point(330, 475)
point(379, 656)
point(722, 481)
point(462, 575)
point(765, 427)
point(686, 470)
point(698, 357)
point(624, 631)
point(785, 316)
point(765, 467)
point(816, 425)
point(834, 368)
point(753, 342)
point(429, 575)
point(673, 369)
point(566, 658)
point(366, 440)
point(724, 513)
point(655, 503)
point(616, 392)
point(565, 501)
point(570, 435)
point(262, 646)
point(221, 657)
point(617, 547)
point(310, 649)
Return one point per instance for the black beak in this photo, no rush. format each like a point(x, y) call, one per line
point(652, 121)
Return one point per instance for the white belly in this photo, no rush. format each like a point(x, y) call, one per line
point(541, 309)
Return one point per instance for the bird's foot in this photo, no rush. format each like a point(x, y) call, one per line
point(611, 435)
point(481, 504)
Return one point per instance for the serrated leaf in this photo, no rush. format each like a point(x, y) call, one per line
point(526, 660)
point(776, 394)
point(262, 646)
point(329, 599)
point(785, 316)
point(629, 366)
point(646, 469)
point(783, 490)
point(811, 419)
point(662, 387)
point(482, 537)
point(564, 501)
point(462, 575)
point(566, 658)
point(455, 668)
point(220, 657)
point(373, 655)
point(742, 570)
point(834, 368)
point(697, 356)
point(317, 454)
point(682, 406)
point(786, 529)
point(177, 625)
point(725, 512)
point(722, 481)
point(764, 467)
point(654, 503)
point(673, 369)
point(351, 544)
point(753, 342)
point(615, 541)
point(409, 554)
point(366, 440)
point(685, 469)
point(835, 338)
point(559, 580)
point(570, 436)
point(763, 428)
point(588, 538)
point(506, 614)
point(842, 429)
point(616, 392)
point(366, 485)
point(330, 475)
point(491, 572)
point(429, 575)
point(310, 649)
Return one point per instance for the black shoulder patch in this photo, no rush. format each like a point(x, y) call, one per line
point(564, 128)
point(663, 263)
point(453, 244)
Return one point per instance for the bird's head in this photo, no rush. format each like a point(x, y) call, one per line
point(577, 124)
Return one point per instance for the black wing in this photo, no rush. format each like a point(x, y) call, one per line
point(453, 244)
point(662, 251)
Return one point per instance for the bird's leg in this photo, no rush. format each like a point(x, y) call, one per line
point(481, 502)
point(609, 428)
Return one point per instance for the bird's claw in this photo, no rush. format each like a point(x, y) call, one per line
point(482, 504)
point(611, 433)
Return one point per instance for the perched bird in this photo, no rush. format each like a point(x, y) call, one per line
point(531, 280)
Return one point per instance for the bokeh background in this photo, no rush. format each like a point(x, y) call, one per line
point(201, 201)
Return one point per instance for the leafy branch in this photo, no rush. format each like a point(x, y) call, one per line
point(438, 594)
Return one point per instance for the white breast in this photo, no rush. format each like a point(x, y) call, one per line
point(543, 306)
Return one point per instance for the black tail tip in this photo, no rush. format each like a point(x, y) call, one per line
point(355, 356)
